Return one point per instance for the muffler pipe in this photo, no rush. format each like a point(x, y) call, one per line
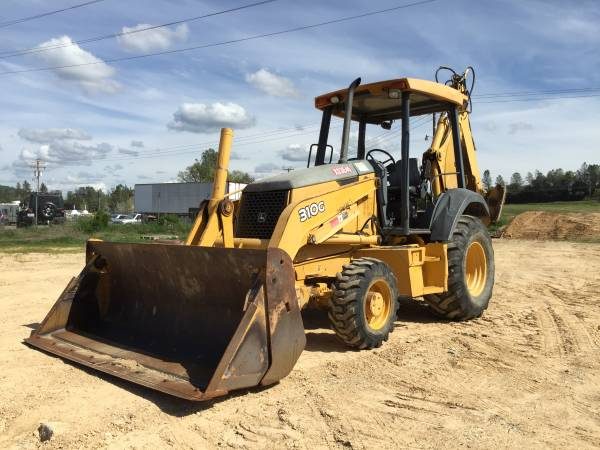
point(347, 121)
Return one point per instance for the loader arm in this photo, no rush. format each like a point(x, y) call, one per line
point(215, 215)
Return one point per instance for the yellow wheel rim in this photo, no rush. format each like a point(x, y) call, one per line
point(378, 304)
point(475, 269)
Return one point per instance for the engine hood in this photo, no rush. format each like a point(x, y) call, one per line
point(310, 176)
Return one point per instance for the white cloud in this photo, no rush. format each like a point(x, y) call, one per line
point(113, 168)
point(202, 118)
point(64, 152)
point(272, 84)
point(237, 156)
point(48, 135)
point(126, 151)
point(59, 146)
point(294, 152)
point(138, 144)
point(516, 127)
point(92, 78)
point(266, 168)
point(157, 39)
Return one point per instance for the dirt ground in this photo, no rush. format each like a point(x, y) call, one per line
point(525, 375)
point(551, 225)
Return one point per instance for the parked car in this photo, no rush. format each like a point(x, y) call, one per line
point(25, 217)
point(50, 208)
point(131, 219)
point(116, 218)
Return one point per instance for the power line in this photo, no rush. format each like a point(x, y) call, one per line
point(529, 99)
point(26, 51)
point(541, 92)
point(49, 13)
point(228, 42)
point(242, 142)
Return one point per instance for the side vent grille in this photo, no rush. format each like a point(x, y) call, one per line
point(259, 213)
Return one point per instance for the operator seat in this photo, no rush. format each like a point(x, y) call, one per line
point(395, 175)
point(395, 184)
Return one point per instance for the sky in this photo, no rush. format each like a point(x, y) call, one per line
point(143, 120)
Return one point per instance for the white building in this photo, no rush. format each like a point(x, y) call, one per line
point(175, 198)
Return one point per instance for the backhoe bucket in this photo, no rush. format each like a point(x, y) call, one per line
point(194, 322)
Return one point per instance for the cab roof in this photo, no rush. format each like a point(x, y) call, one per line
point(382, 101)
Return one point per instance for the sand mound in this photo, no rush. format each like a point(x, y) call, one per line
point(548, 225)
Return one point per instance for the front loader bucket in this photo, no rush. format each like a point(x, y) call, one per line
point(194, 322)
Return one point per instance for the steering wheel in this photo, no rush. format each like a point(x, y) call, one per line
point(384, 162)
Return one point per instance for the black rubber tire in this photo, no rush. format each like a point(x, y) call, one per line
point(347, 309)
point(458, 303)
point(48, 211)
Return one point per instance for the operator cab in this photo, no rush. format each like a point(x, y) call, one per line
point(404, 195)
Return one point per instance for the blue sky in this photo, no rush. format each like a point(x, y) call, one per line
point(144, 120)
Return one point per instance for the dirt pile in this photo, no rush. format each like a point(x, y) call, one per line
point(525, 375)
point(549, 225)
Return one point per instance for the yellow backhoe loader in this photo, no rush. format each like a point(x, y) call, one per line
point(222, 312)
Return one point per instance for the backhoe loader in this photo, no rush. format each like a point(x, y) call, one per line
point(223, 311)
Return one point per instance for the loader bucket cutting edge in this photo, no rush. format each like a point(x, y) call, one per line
point(194, 322)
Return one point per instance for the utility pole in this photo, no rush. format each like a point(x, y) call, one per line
point(158, 212)
point(38, 166)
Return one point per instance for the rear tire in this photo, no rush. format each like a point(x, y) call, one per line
point(364, 304)
point(470, 273)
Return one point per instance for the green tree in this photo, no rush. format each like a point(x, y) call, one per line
point(516, 182)
point(237, 176)
point(203, 170)
point(43, 188)
point(500, 180)
point(529, 178)
point(487, 180)
point(87, 197)
point(121, 199)
point(26, 187)
point(590, 175)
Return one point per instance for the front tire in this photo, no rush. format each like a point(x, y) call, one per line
point(470, 273)
point(364, 303)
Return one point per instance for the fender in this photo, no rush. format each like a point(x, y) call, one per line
point(450, 206)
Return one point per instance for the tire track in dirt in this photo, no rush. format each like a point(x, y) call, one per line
point(573, 335)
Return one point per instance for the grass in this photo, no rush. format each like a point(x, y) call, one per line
point(69, 238)
point(511, 210)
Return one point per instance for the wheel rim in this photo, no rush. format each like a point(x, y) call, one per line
point(476, 269)
point(378, 303)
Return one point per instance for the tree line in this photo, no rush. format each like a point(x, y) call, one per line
point(120, 199)
point(555, 185)
point(86, 197)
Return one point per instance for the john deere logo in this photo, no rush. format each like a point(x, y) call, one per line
point(262, 217)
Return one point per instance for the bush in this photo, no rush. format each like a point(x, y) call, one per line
point(93, 224)
point(170, 220)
